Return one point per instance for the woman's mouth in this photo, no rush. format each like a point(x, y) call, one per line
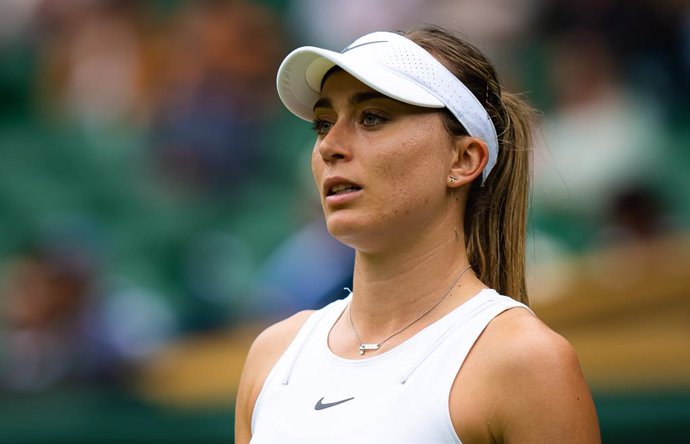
point(339, 191)
point(342, 188)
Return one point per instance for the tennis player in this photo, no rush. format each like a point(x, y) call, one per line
point(422, 163)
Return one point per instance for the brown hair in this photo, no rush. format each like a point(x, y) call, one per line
point(495, 218)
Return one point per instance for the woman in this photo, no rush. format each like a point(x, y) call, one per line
point(422, 165)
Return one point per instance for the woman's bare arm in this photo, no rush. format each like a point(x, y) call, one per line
point(267, 348)
point(534, 382)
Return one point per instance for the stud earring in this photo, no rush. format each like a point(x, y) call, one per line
point(453, 178)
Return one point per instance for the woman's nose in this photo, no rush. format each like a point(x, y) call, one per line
point(334, 145)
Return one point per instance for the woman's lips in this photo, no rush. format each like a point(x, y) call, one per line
point(342, 188)
point(338, 190)
point(343, 196)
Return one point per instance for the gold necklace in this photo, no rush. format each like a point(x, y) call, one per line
point(363, 346)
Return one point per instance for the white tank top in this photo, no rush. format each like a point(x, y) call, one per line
point(399, 396)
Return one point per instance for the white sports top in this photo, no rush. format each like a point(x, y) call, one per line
point(399, 396)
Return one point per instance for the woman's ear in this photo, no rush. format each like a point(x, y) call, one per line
point(471, 156)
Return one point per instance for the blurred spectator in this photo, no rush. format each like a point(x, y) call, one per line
point(599, 137)
point(49, 334)
point(645, 39)
point(216, 93)
point(92, 63)
point(635, 214)
point(60, 323)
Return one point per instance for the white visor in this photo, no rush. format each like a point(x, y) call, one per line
point(392, 65)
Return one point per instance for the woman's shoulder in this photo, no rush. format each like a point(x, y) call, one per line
point(272, 342)
point(265, 351)
point(520, 337)
point(532, 365)
point(517, 344)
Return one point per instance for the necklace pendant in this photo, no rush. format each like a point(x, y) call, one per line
point(365, 347)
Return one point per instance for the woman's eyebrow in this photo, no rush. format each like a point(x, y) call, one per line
point(356, 99)
point(364, 96)
point(323, 103)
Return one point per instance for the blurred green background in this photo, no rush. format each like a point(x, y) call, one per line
point(156, 206)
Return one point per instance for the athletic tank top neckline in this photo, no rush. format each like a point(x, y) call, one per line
point(438, 324)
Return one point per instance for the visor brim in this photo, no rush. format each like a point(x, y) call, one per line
point(301, 73)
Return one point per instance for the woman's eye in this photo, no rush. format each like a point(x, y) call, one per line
point(370, 119)
point(321, 127)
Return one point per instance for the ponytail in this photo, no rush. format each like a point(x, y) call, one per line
point(496, 213)
point(495, 220)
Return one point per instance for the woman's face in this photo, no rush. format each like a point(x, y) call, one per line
point(381, 166)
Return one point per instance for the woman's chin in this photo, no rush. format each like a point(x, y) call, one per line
point(358, 234)
point(347, 230)
point(341, 228)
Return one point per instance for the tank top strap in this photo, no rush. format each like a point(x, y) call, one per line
point(461, 328)
point(316, 326)
point(312, 328)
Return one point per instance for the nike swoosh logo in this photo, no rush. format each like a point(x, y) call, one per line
point(351, 47)
point(320, 405)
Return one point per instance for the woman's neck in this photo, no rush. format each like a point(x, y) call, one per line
point(391, 289)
